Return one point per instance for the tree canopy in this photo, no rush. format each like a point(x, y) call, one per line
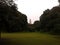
point(11, 20)
point(50, 20)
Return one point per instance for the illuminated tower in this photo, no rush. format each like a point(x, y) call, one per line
point(30, 21)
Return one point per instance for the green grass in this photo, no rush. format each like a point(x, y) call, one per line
point(31, 38)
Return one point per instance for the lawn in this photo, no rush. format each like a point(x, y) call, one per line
point(29, 38)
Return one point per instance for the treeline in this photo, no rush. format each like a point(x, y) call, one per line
point(11, 20)
point(50, 21)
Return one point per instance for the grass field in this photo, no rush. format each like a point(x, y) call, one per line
point(31, 38)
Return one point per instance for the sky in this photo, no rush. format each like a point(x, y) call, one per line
point(33, 9)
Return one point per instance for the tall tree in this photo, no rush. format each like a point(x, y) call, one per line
point(10, 18)
point(49, 22)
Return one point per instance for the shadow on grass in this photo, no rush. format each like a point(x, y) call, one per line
point(4, 41)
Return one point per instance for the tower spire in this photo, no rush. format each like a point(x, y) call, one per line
point(30, 21)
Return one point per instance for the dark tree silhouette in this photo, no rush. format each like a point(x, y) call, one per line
point(7, 2)
point(11, 20)
point(49, 20)
point(36, 25)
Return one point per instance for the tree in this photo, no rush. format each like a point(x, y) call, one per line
point(36, 25)
point(11, 19)
point(7, 2)
point(49, 22)
point(44, 19)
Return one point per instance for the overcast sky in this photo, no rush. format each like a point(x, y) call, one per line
point(34, 8)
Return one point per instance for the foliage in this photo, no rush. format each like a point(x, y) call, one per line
point(11, 19)
point(36, 25)
point(50, 20)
